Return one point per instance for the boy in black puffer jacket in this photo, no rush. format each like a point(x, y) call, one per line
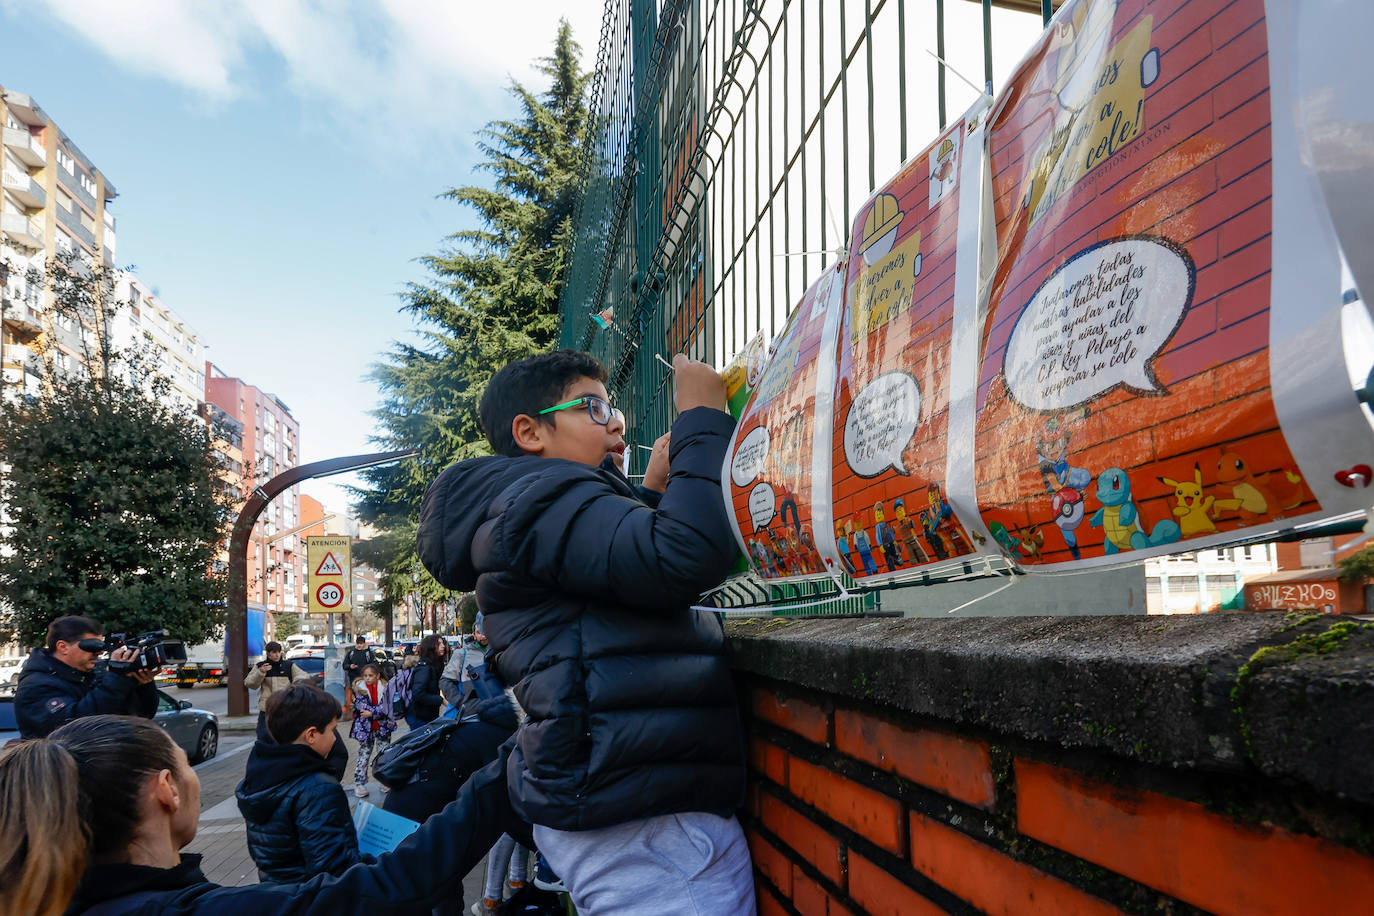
point(299, 825)
point(632, 761)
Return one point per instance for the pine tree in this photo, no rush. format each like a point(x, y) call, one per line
point(492, 296)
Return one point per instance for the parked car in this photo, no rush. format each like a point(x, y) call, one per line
point(196, 731)
point(312, 665)
point(9, 726)
point(10, 666)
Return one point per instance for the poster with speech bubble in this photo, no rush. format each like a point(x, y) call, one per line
point(889, 494)
point(771, 470)
point(1124, 402)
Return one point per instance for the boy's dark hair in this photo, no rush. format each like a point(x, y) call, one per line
point(527, 387)
point(291, 711)
point(273, 646)
point(70, 629)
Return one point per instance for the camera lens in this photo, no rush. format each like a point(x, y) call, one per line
point(94, 646)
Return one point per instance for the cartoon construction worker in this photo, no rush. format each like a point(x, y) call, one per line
point(842, 545)
point(887, 539)
point(907, 530)
point(930, 524)
point(865, 549)
point(945, 521)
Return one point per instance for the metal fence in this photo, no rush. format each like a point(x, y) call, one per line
point(731, 141)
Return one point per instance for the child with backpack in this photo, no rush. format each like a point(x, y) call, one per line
point(372, 723)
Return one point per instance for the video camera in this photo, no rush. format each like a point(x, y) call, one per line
point(153, 650)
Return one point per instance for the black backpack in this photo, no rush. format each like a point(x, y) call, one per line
point(398, 762)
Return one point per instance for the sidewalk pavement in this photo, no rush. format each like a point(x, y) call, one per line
point(220, 836)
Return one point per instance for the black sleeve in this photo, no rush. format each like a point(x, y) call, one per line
point(144, 700)
point(427, 867)
point(42, 704)
point(576, 532)
point(324, 824)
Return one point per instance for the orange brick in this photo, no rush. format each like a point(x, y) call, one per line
point(807, 896)
point(809, 841)
point(991, 881)
point(949, 764)
point(806, 719)
point(768, 759)
point(861, 809)
point(771, 863)
point(1186, 851)
point(768, 904)
point(880, 894)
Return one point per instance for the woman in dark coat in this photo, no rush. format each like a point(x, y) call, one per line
point(110, 801)
point(425, 699)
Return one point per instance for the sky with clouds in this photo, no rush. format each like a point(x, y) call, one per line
point(278, 163)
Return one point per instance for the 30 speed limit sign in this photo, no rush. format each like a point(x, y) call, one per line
point(329, 594)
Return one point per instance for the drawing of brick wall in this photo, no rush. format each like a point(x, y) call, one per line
point(1200, 175)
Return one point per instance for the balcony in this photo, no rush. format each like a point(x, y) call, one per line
point(24, 189)
point(25, 147)
point(22, 321)
point(22, 231)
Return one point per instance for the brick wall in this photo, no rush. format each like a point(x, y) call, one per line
point(860, 804)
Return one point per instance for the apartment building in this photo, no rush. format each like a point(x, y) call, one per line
point(55, 201)
point(269, 445)
point(171, 346)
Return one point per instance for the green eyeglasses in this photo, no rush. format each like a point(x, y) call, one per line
point(600, 412)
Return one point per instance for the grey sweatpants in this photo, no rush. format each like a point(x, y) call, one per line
point(692, 864)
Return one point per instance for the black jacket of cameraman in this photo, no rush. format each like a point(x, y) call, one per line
point(51, 694)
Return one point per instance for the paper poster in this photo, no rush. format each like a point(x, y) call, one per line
point(771, 471)
point(1124, 399)
point(889, 497)
point(380, 831)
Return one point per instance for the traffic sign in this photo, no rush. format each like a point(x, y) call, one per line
point(329, 566)
point(329, 563)
point(329, 595)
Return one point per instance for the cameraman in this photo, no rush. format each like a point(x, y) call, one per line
point(58, 685)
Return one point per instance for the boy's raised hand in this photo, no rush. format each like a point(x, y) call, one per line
point(656, 474)
point(696, 385)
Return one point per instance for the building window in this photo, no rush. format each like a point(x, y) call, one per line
point(67, 162)
point(1183, 584)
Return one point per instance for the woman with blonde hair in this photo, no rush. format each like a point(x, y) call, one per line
point(93, 818)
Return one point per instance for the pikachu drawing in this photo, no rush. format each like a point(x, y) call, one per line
point(1192, 506)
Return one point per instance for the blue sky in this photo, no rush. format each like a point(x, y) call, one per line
point(278, 161)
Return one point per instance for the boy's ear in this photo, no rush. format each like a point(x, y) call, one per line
point(529, 434)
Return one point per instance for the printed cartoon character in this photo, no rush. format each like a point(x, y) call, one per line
point(842, 545)
point(1068, 515)
point(792, 544)
point(1052, 447)
point(808, 550)
point(944, 516)
point(1004, 538)
point(1032, 541)
point(930, 524)
point(887, 538)
point(1192, 506)
point(763, 557)
point(1120, 520)
point(907, 530)
point(1256, 496)
point(778, 550)
point(789, 505)
point(860, 538)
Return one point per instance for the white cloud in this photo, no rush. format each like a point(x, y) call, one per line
point(418, 61)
